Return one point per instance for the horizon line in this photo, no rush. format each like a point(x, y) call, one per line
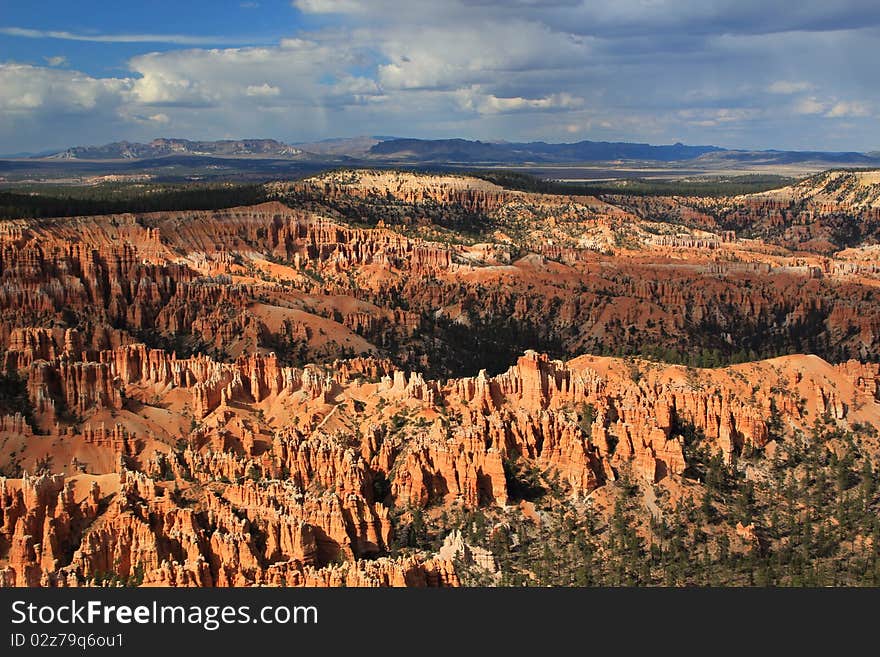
point(383, 138)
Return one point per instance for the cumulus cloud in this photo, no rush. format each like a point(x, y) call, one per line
point(298, 72)
point(44, 107)
point(849, 109)
point(36, 89)
point(747, 73)
point(474, 100)
point(833, 108)
point(442, 58)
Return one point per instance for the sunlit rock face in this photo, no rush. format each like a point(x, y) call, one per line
point(257, 396)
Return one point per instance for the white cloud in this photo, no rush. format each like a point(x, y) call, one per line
point(701, 71)
point(810, 105)
point(331, 6)
point(474, 100)
point(296, 73)
point(37, 89)
point(849, 109)
point(707, 118)
point(788, 87)
point(157, 87)
point(58, 60)
point(264, 89)
point(833, 108)
point(444, 57)
point(44, 107)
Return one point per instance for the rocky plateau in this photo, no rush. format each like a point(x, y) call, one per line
point(282, 394)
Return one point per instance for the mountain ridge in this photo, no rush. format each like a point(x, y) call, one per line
point(456, 150)
point(581, 151)
point(126, 150)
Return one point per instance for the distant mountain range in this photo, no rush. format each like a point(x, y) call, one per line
point(462, 150)
point(790, 157)
point(342, 146)
point(390, 150)
point(125, 150)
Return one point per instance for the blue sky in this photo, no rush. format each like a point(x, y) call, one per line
point(736, 73)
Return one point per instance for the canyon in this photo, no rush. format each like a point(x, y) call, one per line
point(313, 390)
